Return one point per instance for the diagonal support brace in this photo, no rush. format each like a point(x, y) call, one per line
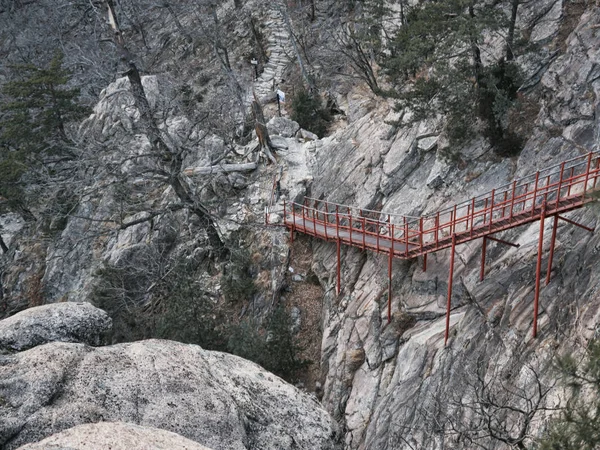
point(553, 241)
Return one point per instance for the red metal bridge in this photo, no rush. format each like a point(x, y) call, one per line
point(546, 193)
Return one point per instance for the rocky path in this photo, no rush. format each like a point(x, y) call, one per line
point(279, 49)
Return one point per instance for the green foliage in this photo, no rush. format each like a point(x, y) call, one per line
point(237, 283)
point(578, 426)
point(436, 62)
point(308, 112)
point(33, 118)
point(276, 350)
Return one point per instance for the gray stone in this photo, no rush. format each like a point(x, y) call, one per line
point(56, 322)
point(219, 400)
point(114, 436)
point(283, 127)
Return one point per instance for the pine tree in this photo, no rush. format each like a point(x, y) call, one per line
point(437, 65)
point(33, 126)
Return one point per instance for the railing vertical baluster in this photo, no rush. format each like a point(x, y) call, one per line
point(535, 191)
point(303, 217)
point(315, 219)
point(350, 224)
point(421, 234)
point(596, 172)
point(587, 176)
point(364, 230)
point(406, 235)
point(453, 225)
point(437, 229)
point(337, 222)
point(485, 209)
point(560, 180)
point(472, 215)
point(377, 230)
point(570, 181)
point(326, 221)
point(492, 208)
point(512, 200)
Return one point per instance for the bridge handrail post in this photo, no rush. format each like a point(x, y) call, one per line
point(485, 209)
point(492, 208)
point(535, 190)
point(350, 224)
point(453, 224)
point(437, 229)
point(421, 234)
point(315, 219)
point(570, 181)
point(512, 200)
point(596, 172)
point(406, 235)
point(364, 231)
point(560, 180)
point(326, 221)
point(337, 223)
point(304, 217)
point(472, 215)
point(587, 175)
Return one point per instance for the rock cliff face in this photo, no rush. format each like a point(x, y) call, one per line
point(216, 399)
point(396, 386)
point(389, 386)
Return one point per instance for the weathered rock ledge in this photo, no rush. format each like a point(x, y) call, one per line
point(57, 322)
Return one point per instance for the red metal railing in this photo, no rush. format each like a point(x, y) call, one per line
point(557, 189)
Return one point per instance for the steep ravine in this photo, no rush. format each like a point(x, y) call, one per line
point(397, 386)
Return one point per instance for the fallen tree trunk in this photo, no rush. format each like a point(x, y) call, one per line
point(221, 168)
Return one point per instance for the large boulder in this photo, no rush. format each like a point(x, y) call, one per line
point(216, 399)
point(114, 436)
point(63, 322)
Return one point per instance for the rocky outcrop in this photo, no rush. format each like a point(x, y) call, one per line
point(114, 436)
point(216, 399)
point(56, 322)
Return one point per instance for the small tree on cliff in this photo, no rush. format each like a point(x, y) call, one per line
point(578, 426)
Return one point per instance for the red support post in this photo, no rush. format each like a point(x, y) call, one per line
point(337, 223)
point(450, 279)
point(591, 230)
point(390, 260)
point(551, 256)
point(538, 271)
point(483, 250)
point(425, 262)
point(339, 271)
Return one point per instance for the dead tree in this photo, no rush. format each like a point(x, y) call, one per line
point(169, 160)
